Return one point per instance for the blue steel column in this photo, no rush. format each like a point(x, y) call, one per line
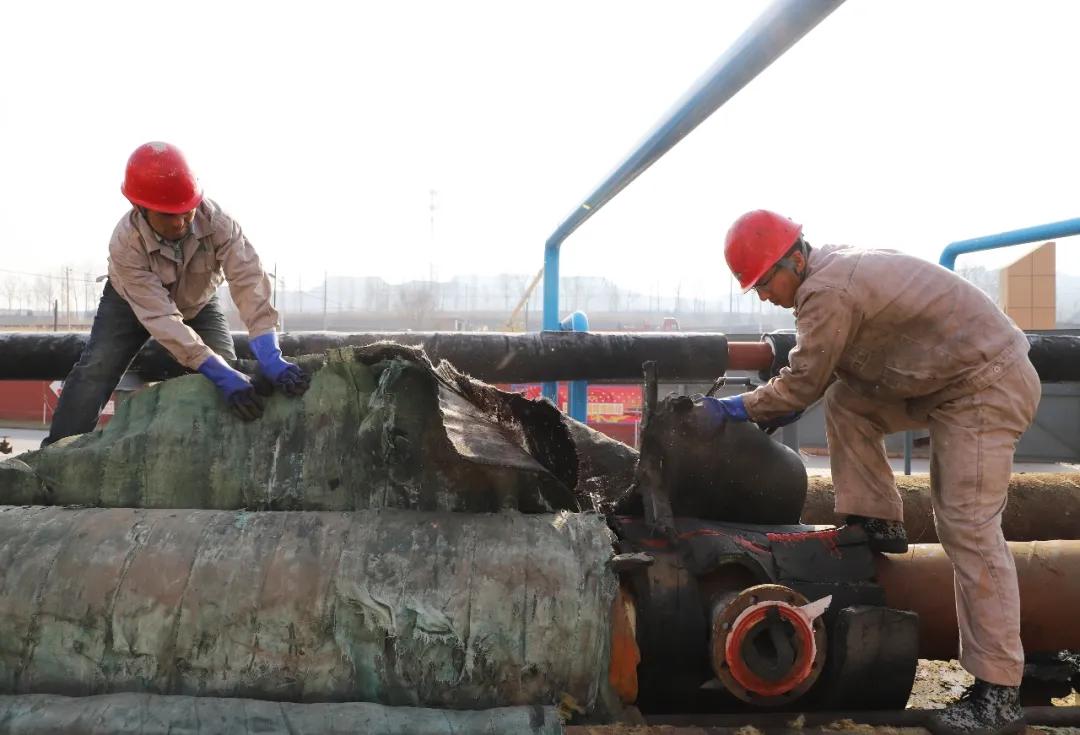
point(550, 390)
point(577, 404)
point(775, 31)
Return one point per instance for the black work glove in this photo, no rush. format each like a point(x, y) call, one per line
point(294, 381)
point(246, 404)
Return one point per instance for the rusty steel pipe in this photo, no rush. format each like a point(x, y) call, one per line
point(1042, 506)
point(1049, 573)
point(749, 355)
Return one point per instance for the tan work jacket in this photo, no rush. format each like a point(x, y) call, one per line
point(892, 326)
point(164, 291)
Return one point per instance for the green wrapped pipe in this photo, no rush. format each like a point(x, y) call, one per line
point(446, 610)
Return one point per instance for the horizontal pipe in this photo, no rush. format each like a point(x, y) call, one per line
point(454, 610)
point(157, 714)
point(769, 721)
point(1065, 228)
point(490, 356)
point(499, 357)
point(1042, 506)
point(1049, 573)
point(749, 355)
point(1056, 357)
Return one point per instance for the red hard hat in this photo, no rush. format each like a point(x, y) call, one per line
point(756, 242)
point(158, 178)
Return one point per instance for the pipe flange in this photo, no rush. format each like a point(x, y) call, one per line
point(768, 644)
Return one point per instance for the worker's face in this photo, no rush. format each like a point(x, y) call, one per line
point(170, 226)
point(778, 285)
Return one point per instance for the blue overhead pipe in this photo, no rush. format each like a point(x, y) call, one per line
point(774, 32)
point(1050, 231)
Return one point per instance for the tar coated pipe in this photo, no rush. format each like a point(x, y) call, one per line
point(776, 30)
point(1056, 357)
point(490, 356)
point(1049, 573)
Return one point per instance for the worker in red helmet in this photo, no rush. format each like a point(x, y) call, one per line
point(167, 257)
point(895, 343)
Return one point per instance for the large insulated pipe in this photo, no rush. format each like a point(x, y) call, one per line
point(511, 357)
point(450, 610)
point(1042, 506)
point(1049, 572)
point(490, 356)
point(156, 714)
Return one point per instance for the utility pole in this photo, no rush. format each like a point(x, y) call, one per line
point(436, 296)
point(326, 278)
point(67, 297)
point(431, 243)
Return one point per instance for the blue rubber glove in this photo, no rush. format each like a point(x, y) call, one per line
point(289, 377)
point(235, 386)
point(722, 410)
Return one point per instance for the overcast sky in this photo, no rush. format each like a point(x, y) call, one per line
point(323, 127)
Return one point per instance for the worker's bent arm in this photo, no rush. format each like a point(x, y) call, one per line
point(249, 285)
point(132, 278)
point(826, 322)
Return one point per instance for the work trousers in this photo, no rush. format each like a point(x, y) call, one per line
point(972, 440)
point(115, 338)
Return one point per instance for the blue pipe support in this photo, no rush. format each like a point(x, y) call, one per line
point(1050, 231)
point(578, 395)
point(578, 403)
point(775, 31)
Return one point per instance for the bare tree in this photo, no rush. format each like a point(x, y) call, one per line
point(417, 301)
point(507, 285)
point(11, 287)
point(43, 292)
point(614, 297)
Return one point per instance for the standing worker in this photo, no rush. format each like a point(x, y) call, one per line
point(167, 257)
point(895, 343)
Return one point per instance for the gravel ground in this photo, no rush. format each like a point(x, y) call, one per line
point(937, 683)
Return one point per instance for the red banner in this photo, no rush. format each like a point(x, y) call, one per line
point(608, 404)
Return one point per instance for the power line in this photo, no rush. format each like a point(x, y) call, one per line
point(46, 275)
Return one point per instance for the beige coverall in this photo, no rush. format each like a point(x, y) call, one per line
point(895, 343)
point(163, 292)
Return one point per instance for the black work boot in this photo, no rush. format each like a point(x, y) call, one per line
point(984, 709)
point(888, 537)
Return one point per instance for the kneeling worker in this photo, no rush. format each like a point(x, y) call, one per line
point(167, 257)
point(895, 343)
